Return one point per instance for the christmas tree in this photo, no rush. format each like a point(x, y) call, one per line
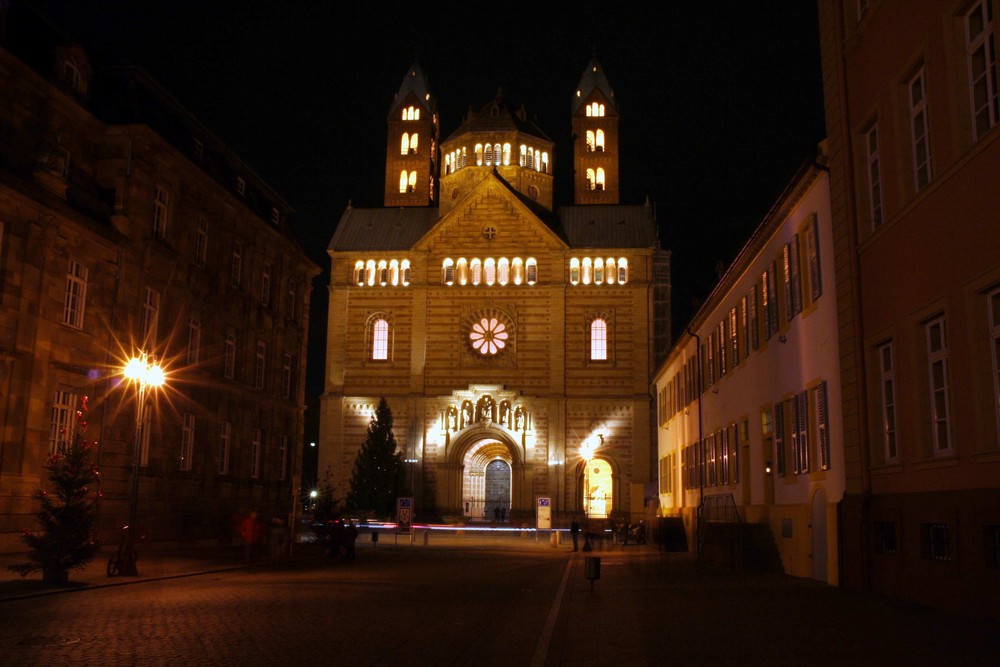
point(67, 513)
point(377, 479)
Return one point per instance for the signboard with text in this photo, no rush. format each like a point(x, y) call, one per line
point(543, 513)
point(404, 514)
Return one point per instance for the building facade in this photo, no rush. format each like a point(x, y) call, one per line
point(126, 227)
point(512, 339)
point(912, 113)
point(748, 400)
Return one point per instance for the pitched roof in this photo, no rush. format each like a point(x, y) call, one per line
point(382, 228)
point(611, 226)
point(498, 116)
point(593, 78)
point(414, 82)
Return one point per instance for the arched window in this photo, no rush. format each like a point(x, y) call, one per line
point(545, 162)
point(448, 272)
point(464, 156)
point(599, 339)
point(461, 271)
point(402, 181)
point(412, 185)
point(479, 155)
point(587, 266)
point(531, 158)
point(591, 143)
point(383, 273)
point(506, 154)
point(503, 271)
point(538, 160)
point(599, 143)
point(590, 110)
point(609, 271)
point(416, 114)
point(622, 270)
point(496, 153)
point(370, 272)
point(413, 143)
point(359, 273)
point(447, 163)
point(489, 155)
point(598, 271)
point(531, 269)
point(380, 339)
point(590, 179)
point(476, 269)
point(524, 153)
point(574, 271)
point(490, 270)
point(394, 272)
point(517, 271)
point(600, 178)
point(405, 266)
point(404, 144)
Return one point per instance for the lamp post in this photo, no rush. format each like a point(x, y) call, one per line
point(143, 373)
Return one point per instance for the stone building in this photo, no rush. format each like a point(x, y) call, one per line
point(913, 122)
point(125, 226)
point(514, 340)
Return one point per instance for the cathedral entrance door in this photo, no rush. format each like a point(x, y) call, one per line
point(487, 480)
point(497, 489)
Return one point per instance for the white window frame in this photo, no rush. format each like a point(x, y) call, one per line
point(919, 137)
point(599, 339)
point(225, 435)
point(887, 388)
point(940, 411)
point(75, 302)
point(161, 209)
point(62, 421)
point(194, 340)
point(187, 441)
point(982, 46)
point(875, 209)
point(380, 339)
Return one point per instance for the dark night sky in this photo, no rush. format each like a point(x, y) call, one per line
point(720, 102)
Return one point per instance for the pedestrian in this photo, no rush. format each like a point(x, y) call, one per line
point(278, 540)
point(350, 537)
point(574, 530)
point(336, 538)
point(252, 533)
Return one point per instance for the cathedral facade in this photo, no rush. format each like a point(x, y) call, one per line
point(513, 340)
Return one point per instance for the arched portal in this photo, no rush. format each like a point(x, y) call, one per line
point(598, 489)
point(486, 479)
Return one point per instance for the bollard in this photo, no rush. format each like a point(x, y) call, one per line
point(427, 537)
point(554, 538)
point(592, 569)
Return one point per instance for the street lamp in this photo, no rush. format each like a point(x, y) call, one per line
point(143, 373)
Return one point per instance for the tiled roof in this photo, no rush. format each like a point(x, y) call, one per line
point(382, 228)
point(611, 226)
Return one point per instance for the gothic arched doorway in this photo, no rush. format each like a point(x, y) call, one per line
point(486, 480)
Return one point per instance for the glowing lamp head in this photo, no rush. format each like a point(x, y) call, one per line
point(138, 369)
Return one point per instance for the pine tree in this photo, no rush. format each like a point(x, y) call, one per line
point(67, 514)
point(378, 477)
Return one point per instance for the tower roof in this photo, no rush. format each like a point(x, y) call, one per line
point(414, 82)
point(498, 116)
point(593, 78)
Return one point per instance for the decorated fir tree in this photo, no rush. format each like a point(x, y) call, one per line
point(67, 513)
point(378, 478)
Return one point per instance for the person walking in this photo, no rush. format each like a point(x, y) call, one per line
point(574, 530)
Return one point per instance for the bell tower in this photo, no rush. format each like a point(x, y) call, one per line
point(411, 162)
point(595, 139)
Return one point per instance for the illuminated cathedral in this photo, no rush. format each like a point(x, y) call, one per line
point(513, 340)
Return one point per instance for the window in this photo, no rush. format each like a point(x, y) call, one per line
point(503, 271)
point(225, 431)
point(887, 380)
point(935, 541)
point(201, 242)
point(292, 300)
point(770, 299)
point(490, 270)
point(598, 271)
point(587, 270)
point(150, 318)
point(937, 360)
point(793, 278)
point(994, 321)
point(405, 266)
point(720, 349)
point(981, 50)
point(779, 439)
point(194, 340)
point(62, 421)
point(275, 216)
point(517, 271)
point(531, 271)
point(241, 186)
point(506, 154)
point(380, 340)
point(743, 335)
point(448, 272)
point(622, 270)
point(259, 365)
point(885, 532)
point(479, 155)
point(800, 432)
point(71, 75)
point(160, 203)
point(812, 247)
point(476, 270)
point(754, 324)
point(591, 141)
point(874, 177)
point(734, 341)
point(286, 376)
point(229, 369)
point(383, 273)
point(394, 272)
point(574, 271)
point(236, 265)
point(265, 285)
point(404, 144)
point(918, 131)
point(187, 441)
point(599, 339)
point(370, 272)
point(76, 294)
point(600, 179)
point(599, 145)
point(255, 446)
point(282, 458)
point(489, 155)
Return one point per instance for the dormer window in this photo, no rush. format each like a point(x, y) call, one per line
point(71, 75)
point(241, 186)
point(275, 216)
point(199, 148)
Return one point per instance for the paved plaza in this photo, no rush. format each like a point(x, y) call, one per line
point(462, 600)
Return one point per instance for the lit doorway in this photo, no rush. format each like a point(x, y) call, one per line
point(598, 489)
point(487, 480)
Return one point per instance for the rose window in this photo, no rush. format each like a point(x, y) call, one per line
point(488, 336)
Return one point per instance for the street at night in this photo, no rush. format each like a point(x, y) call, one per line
point(500, 605)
